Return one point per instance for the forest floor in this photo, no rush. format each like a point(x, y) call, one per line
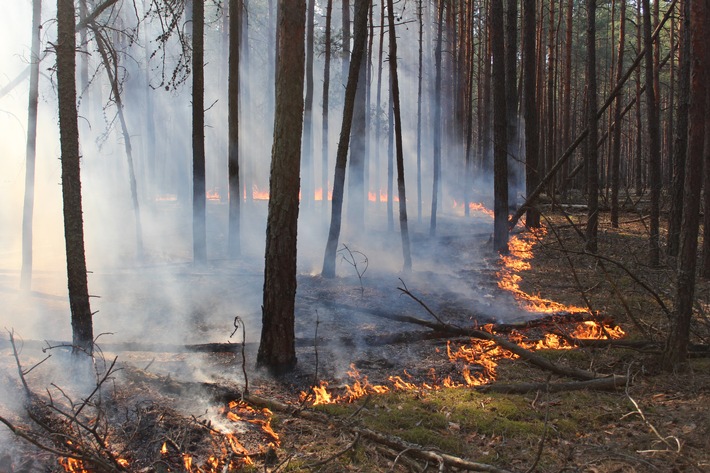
point(656, 422)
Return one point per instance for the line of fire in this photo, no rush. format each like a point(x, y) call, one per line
point(394, 236)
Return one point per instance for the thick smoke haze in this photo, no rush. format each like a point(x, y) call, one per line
point(163, 297)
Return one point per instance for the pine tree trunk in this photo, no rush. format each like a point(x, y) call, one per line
point(199, 232)
point(235, 197)
point(591, 143)
point(419, 111)
point(500, 141)
point(326, 92)
point(680, 146)
point(616, 150)
point(277, 349)
point(342, 154)
point(677, 345)
point(30, 153)
point(81, 318)
point(437, 119)
point(654, 156)
point(307, 161)
point(532, 179)
point(403, 224)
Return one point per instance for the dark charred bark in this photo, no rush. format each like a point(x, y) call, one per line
point(31, 150)
point(403, 225)
point(199, 232)
point(342, 155)
point(235, 197)
point(81, 317)
point(277, 350)
point(532, 179)
point(678, 339)
point(500, 141)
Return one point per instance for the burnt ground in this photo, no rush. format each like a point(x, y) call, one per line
point(660, 422)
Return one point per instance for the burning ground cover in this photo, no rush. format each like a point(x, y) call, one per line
point(421, 390)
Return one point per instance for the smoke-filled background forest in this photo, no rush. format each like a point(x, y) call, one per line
point(419, 182)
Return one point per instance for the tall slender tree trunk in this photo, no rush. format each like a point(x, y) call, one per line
point(592, 137)
point(326, 92)
point(511, 96)
point(638, 170)
point(500, 141)
point(616, 150)
point(680, 146)
point(235, 198)
point(342, 155)
point(532, 178)
point(679, 336)
point(81, 317)
point(346, 39)
point(111, 67)
point(199, 232)
point(31, 150)
point(437, 118)
point(378, 107)
point(654, 156)
point(277, 348)
point(419, 109)
point(403, 225)
point(307, 161)
point(356, 178)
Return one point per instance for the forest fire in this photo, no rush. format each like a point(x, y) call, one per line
point(519, 257)
point(473, 207)
point(479, 360)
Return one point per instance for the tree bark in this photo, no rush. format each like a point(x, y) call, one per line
point(591, 145)
point(307, 161)
point(199, 231)
point(532, 178)
point(500, 141)
point(419, 110)
point(437, 118)
point(654, 156)
point(277, 346)
point(616, 145)
point(326, 92)
point(31, 150)
point(403, 224)
point(341, 158)
point(235, 197)
point(680, 146)
point(81, 317)
point(678, 339)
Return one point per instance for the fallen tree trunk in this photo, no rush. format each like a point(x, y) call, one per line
point(512, 347)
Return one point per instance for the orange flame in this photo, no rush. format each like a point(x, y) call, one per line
point(474, 207)
point(518, 259)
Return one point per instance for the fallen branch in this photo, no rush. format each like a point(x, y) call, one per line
point(512, 347)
